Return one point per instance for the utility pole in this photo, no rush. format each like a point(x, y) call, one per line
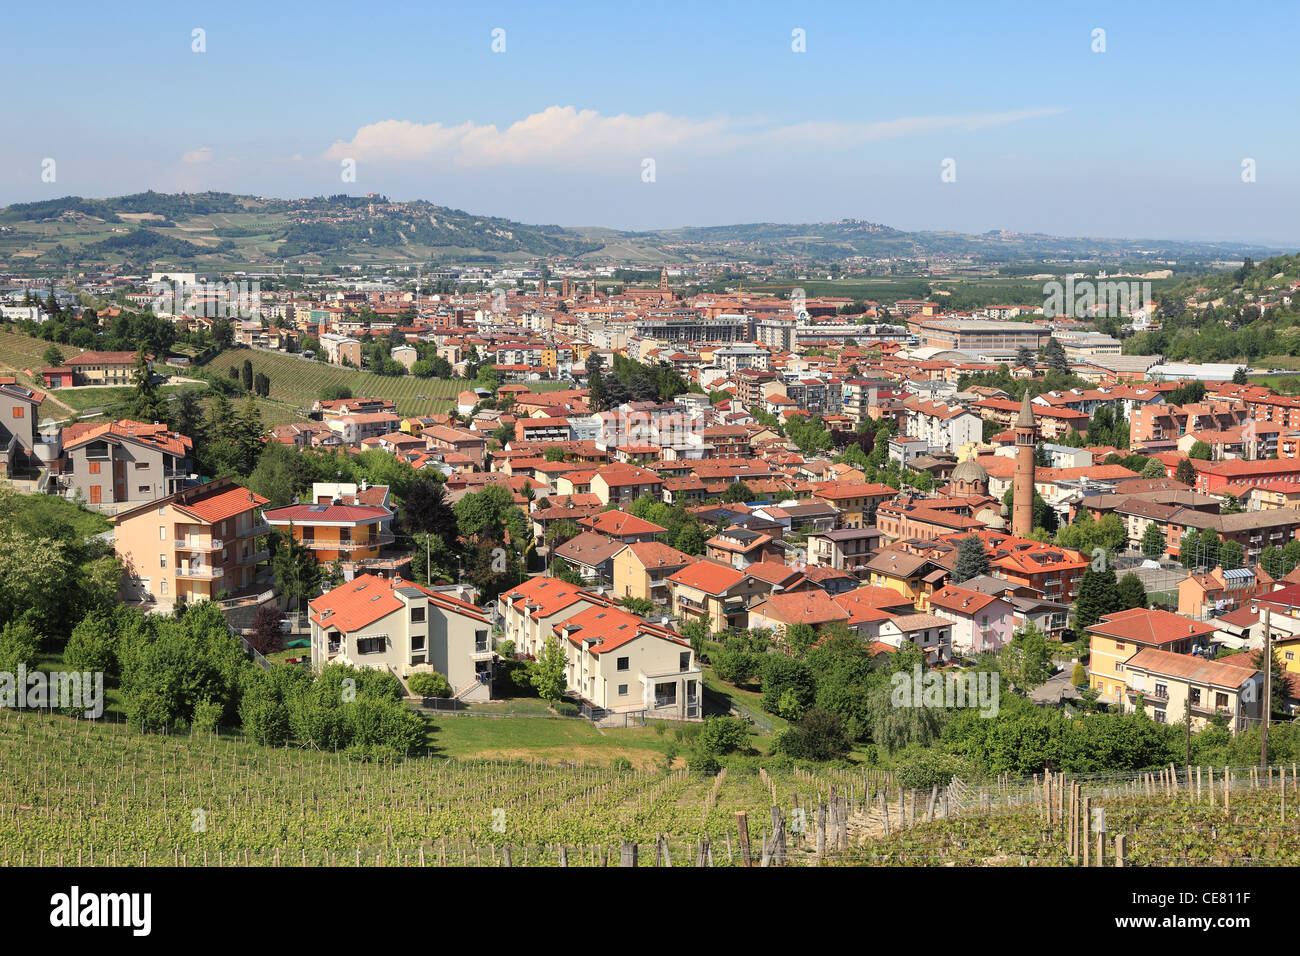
point(1268, 690)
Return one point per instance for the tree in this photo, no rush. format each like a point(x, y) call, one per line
point(800, 637)
point(294, 567)
point(1185, 473)
point(1024, 357)
point(426, 510)
point(818, 736)
point(1239, 376)
point(266, 636)
point(146, 404)
point(333, 393)
point(1231, 555)
point(429, 684)
point(1200, 451)
point(1079, 675)
point(972, 561)
point(1153, 541)
point(1131, 592)
point(246, 375)
point(1098, 596)
point(1027, 660)
point(547, 673)
point(737, 492)
point(52, 356)
point(1277, 701)
point(1154, 468)
point(1055, 358)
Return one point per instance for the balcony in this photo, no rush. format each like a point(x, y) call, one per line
point(256, 530)
point(348, 545)
point(255, 557)
point(212, 544)
point(690, 603)
point(201, 572)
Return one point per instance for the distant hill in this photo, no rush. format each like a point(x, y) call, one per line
point(223, 230)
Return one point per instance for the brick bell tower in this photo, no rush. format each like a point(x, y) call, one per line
point(1022, 508)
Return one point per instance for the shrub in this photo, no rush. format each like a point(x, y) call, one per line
point(567, 708)
point(621, 764)
point(701, 761)
point(819, 736)
point(722, 735)
point(431, 684)
point(207, 717)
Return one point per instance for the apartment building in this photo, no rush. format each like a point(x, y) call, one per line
point(404, 628)
point(19, 408)
point(102, 368)
point(121, 463)
point(192, 545)
point(1167, 685)
point(1118, 637)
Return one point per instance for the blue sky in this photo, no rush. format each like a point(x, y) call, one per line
point(1144, 140)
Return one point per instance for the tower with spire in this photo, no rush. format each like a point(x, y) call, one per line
point(1022, 501)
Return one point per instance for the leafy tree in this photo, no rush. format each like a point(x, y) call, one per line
point(1027, 660)
point(818, 736)
point(1231, 555)
point(547, 673)
point(1079, 675)
point(52, 356)
point(737, 492)
point(426, 511)
point(1153, 541)
point(720, 736)
point(266, 637)
point(1054, 357)
point(1154, 468)
point(1185, 473)
point(1200, 451)
point(800, 638)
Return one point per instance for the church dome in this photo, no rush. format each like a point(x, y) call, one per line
point(970, 470)
point(992, 520)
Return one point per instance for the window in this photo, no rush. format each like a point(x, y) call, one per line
point(162, 560)
point(684, 661)
point(623, 664)
point(1162, 690)
point(94, 467)
point(141, 465)
point(162, 509)
point(1290, 655)
point(143, 489)
point(371, 645)
point(417, 615)
point(1119, 645)
point(417, 642)
point(1119, 667)
point(622, 690)
point(163, 586)
point(1220, 700)
point(162, 532)
point(1196, 696)
point(1160, 716)
point(19, 411)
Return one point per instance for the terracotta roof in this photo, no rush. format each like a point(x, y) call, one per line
point(620, 522)
point(226, 503)
point(802, 607)
point(709, 577)
point(1150, 626)
point(1195, 670)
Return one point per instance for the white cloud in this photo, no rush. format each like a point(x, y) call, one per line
point(201, 155)
point(564, 134)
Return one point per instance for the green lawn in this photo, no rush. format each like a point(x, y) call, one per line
point(545, 739)
point(44, 510)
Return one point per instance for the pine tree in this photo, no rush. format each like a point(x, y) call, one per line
point(1098, 596)
point(1131, 592)
point(1185, 474)
point(971, 559)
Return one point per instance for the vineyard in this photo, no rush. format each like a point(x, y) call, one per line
point(94, 794)
point(298, 382)
point(1180, 816)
